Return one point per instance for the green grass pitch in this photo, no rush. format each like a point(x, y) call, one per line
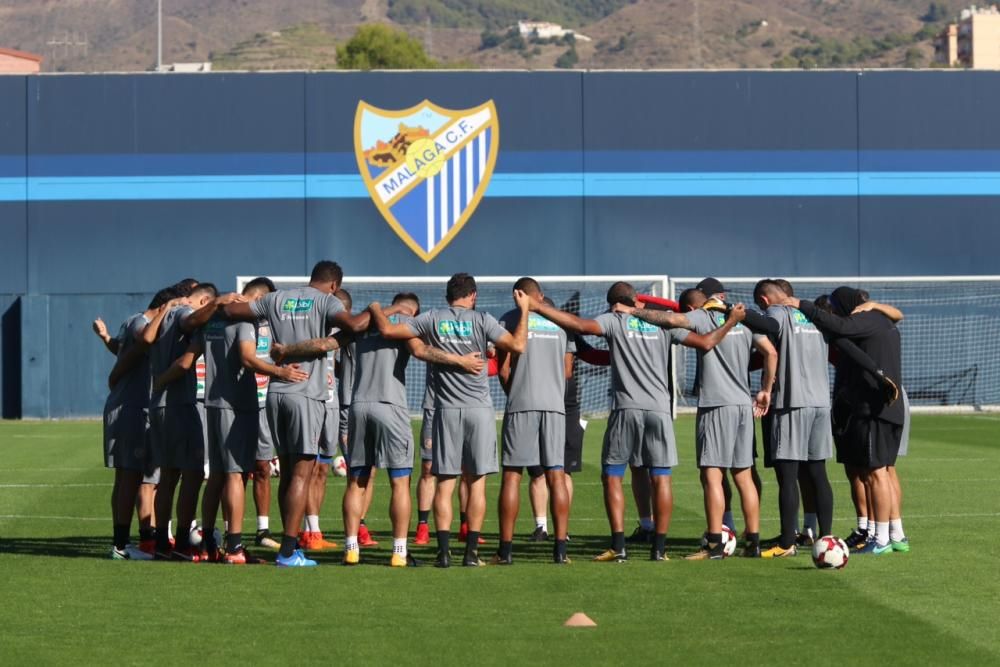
point(63, 600)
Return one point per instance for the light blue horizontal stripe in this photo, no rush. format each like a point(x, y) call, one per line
point(505, 185)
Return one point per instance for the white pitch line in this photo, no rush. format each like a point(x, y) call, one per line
point(53, 486)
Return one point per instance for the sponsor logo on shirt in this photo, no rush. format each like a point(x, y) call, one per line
point(455, 328)
point(802, 324)
point(636, 325)
point(263, 345)
point(539, 323)
point(297, 305)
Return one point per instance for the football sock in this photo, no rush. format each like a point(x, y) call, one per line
point(506, 549)
point(862, 524)
point(881, 533)
point(170, 529)
point(811, 524)
point(121, 531)
point(422, 515)
point(618, 542)
point(288, 545)
point(263, 523)
point(559, 550)
point(753, 538)
point(312, 523)
point(182, 541)
point(660, 542)
point(162, 540)
point(871, 529)
point(234, 543)
point(225, 526)
point(646, 522)
point(896, 533)
point(443, 537)
point(727, 520)
point(462, 517)
point(542, 522)
point(351, 543)
point(824, 497)
point(788, 499)
point(147, 534)
point(399, 546)
point(713, 538)
point(472, 541)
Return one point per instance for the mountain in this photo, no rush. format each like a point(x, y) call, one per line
point(120, 35)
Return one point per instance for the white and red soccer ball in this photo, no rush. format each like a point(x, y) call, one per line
point(830, 553)
point(728, 541)
point(339, 466)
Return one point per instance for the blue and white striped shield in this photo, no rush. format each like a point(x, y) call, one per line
point(426, 168)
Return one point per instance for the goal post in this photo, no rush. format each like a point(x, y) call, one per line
point(585, 295)
point(950, 346)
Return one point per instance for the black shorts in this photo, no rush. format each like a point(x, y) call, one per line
point(869, 443)
point(573, 461)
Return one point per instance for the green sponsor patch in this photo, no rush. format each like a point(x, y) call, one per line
point(539, 323)
point(297, 305)
point(635, 324)
point(455, 328)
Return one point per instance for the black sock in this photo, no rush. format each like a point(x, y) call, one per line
point(182, 541)
point(713, 538)
point(262, 531)
point(463, 517)
point(422, 515)
point(147, 534)
point(660, 542)
point(362, 522)
point(506, 549)
point(162, 540)
point(559, 550)
point(208, 540)
point(788, 499)
point(234, 542)
point(443, 537)
point(753, 538)
point(121, 531)
point(618, 542)
point(288, 545)
point(472, 542)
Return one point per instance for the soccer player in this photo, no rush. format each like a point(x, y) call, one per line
point(464, 431)
point(640, 430)
point(726, 410)
point(876, 420)
point(534, 423)
point(176, 434)
point(296, 409)
point(801, 437)
point(126, 424)
point(229, 350)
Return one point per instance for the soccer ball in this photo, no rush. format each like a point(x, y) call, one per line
point(340, 467)
point(830, 553)
point(197, 536)
point(275, 468)
point(728, 541)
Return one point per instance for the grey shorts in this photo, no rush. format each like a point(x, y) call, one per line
point(265, 444)
point(724, 436)
point(126, 438)
point(344, 414)
point(296, 422)
point(232, 439)
point(465, 439)
point(640, 438)
point(330, 435)
point(427, 435)
point(801, 434)
point(380, 436)
point(177, 440)
point(200, 404)
point(533, 438)
point(904, 442)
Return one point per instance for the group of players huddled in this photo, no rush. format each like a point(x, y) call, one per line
point(271, 358)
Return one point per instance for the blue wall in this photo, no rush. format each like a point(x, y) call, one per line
point(114, 185)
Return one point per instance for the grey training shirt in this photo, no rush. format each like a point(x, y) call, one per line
point(133, 388)
point(802, 380)
point(168, 347)
point(723, 375)
point(380, 367)
point(538, 377)
point(227, 383)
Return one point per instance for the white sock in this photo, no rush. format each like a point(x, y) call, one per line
point(727, 520)
point(194, 524)
point(863, 524)
point(542, 522)
point(225, 526)
point(351, 543)
point(896, 533)
point(646, 522)
point(881, 533)
point(263, 522)
point(811, 524)
point(312, 523)
point(170, 529)
point(399, 546)
point(871, 528)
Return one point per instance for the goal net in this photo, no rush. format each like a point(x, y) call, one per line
point(584, 295)
point(951, 356)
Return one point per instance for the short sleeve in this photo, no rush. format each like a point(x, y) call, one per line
point(181, 313)
point(570, 345)
point(246, 332)
point(422, 325)
point(606, 322)
point(510, 320)
point(135, 328)
point(678, 335)
point(700, 320)
point(332, 306)
point(261, 307)
point(494, 331)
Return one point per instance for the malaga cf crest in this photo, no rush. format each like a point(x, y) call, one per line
point(426, 167)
